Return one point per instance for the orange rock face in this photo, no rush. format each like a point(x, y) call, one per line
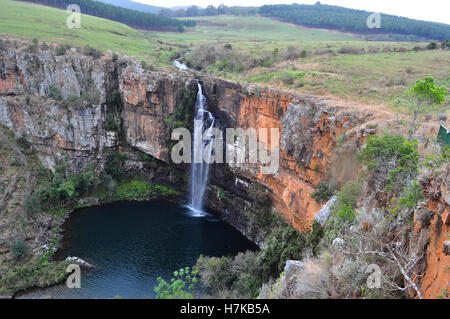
point(435, 282)
point(293, 184)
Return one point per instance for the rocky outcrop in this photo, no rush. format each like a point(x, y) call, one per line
point(432, 228)
point(308, 128)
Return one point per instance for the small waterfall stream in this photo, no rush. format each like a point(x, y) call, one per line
point(203, 123)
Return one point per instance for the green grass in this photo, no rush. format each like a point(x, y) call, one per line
point(28, 21)
point(135, 189)
point(245, 29)
point(378, 77)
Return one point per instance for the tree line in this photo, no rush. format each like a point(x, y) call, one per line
point(194, 11)
point(133, 18)
point(350, 20)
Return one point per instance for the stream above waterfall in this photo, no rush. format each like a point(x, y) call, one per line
point(133, 243)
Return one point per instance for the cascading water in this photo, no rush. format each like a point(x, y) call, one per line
point(203, 123)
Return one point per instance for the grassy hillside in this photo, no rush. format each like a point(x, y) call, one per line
point(233, 28)
point(28, 21)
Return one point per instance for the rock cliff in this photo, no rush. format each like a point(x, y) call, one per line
point(87, 108)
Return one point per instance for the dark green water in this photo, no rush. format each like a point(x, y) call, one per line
point(133, 243)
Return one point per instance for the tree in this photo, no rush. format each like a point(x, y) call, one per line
point(423, 97)
point(210, 10)
point(18, 249)
point(192, 11)
point(180, 287)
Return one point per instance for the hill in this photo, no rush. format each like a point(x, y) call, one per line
point(128, 4)
point(133, 18)
point(23, 20)
point(350, 20)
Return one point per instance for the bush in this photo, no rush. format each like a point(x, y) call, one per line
point(432, 46)
point(322, 193)
point(230, 278)
point(53, 92)
point(349, 50)
point(111, 123)
point(349, 194)
point(60, 50)
point(180, 287)
point(393, 154)
point(215, 273)
point(114, 165)
point(284, 243)
point(18, 249)
point(96, 54)
point(32, 204)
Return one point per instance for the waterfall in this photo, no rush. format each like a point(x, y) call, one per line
point(203, 122)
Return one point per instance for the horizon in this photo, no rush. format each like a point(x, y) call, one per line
point(432, 10)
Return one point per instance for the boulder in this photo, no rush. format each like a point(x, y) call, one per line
point(325, 212)
point(80, 261)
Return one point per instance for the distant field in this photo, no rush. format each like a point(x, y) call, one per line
point(244, 29)
point(378, 77)
point(370, 75)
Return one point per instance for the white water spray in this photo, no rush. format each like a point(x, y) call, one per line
point(203, 123)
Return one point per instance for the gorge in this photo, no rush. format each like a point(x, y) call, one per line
point(88, 109)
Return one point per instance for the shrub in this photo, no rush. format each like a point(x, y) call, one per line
point(432, 46)
point(60, 50)
point(180, 287)
point(32, 204)
point(322, 193)
point(349, 194)
point(53, 92)
point(349, 50)
point(114, 165)
point(284, 243)
point(394, 154)
point(111, 123)
point(90, 51)
point(215, 272)
point(18, 249)
point(230, 278)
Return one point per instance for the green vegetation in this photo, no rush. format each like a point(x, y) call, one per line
point(111, 123)
point(140, 190)
point(180, 287)
point(38, 273)
point(323, 192)
point(243, 275)
point(343, 19)
point(18, 249)
point(222, 29)
point(424, 96)
point(134, 18)
point(28, 21)
point(114, 165)
point(394, 156)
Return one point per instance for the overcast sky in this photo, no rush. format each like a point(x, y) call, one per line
point(430, 10)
